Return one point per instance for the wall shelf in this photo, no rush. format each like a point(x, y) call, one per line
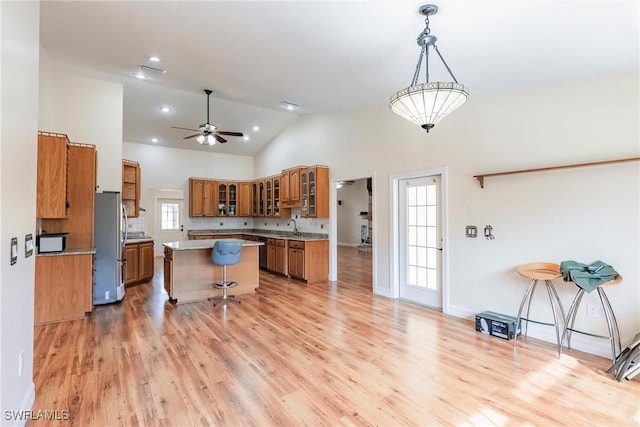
point(481, 178)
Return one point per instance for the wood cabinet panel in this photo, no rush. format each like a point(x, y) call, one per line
point(244, 199)
point(131, 187)
point(196, 197)
point(81, 186)
point(296, 263)
point(51, 176)
point(314, 192)
point(309, 260)
point(139, 265)
point(130, 268)
point(146, 261)
point(210, 202)
point(63, 287)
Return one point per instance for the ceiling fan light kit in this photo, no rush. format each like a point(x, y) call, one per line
point(208, 133)
point(425, 104)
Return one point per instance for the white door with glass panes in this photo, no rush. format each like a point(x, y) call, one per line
point(420, 238)
point(168, 222)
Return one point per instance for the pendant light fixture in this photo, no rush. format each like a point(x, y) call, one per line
point(425, 104)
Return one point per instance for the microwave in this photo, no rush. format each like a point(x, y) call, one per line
point(55, 242)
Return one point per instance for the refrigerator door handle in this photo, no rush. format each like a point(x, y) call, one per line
point(126, 224)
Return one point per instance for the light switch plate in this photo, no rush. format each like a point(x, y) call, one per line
point(471, 231)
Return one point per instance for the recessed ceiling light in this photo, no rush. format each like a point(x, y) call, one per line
point(165, 109)
point(139, 75)
point(154, 140)
point(289, 105)
point(246, 137)
point(256, 128)
point(154, 59)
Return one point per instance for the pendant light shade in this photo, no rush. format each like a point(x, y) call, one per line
point(425, 104)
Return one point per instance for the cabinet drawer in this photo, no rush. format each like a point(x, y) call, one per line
point(296, 244)
point(168, 253)
point(281, 243)
point(271, 242)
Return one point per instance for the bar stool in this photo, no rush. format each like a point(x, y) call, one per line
point(612, 323)
point(540, 271)
point(225, 252)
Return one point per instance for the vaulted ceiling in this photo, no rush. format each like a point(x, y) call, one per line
point(321, 55)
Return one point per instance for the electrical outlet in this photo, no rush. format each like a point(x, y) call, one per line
point(21, 363)
point(593, 311)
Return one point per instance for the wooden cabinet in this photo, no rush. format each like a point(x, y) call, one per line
point(131, 187)
point(227, 194)
point(209, 200)
point(276, 256)
point(314, 192)
point(309, 260)
point(268, 208)
point(277, 192)
point(202, 197)
point(63, 287)
point(81, 187)
point(244, 198)
point(290, 188)
point(130, 253)
point(139, 265)
point(196, 197)
point(51, 193)
point(296, 259)
point(215, 236)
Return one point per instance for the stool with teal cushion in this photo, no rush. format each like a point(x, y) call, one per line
point(612, 323)
point(226, 252)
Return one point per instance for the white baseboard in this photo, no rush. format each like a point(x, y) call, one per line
point(351, 245)
point(595, 346)
point(383, 292)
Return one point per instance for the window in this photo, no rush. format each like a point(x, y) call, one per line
point(170, 219)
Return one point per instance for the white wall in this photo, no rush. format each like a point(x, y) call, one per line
point(584, 214)
point(355, 199)
point(19, 34)
point(171, 168)
point(89, 111)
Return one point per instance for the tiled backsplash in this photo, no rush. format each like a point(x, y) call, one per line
point(135, 225)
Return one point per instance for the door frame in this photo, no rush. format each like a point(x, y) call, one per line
point(394, 224)
point(333, 225)
point(150, 215)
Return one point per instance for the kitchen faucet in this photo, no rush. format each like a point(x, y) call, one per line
point(296, 232)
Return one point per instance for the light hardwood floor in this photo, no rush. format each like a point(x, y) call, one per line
point(323, 355)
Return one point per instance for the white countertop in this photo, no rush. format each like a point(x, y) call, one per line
point(203, 244)
point(87, 251)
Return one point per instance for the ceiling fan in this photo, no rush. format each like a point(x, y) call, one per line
point(208, 133)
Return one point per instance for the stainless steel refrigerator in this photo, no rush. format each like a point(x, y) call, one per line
point(110, 236)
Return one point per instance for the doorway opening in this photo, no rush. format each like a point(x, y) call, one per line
point(352, 234)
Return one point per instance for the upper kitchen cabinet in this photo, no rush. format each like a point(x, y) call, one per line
point(244, 198)
point(81, 190)
point(131, 188)
point(202, 197)
point(290, 188)
point(256, 197)
point(314, 192)
point(51, 198)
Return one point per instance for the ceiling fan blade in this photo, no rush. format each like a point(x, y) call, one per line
point(192, 136)
point(221, 132)
point(176, 127)
point(220, 139)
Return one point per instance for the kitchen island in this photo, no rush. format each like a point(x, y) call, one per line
point(189, 273)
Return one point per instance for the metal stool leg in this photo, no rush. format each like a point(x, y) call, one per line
point(525, 298)
point(225, 285)
point(550, 291)
point(612, 324)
